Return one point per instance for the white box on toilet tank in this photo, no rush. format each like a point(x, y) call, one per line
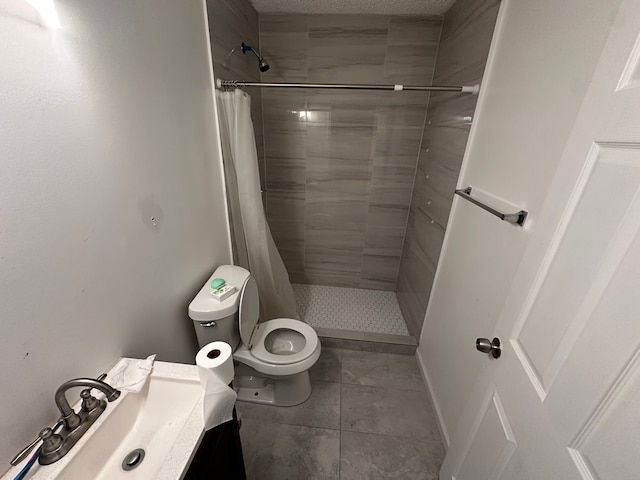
point(216, 320)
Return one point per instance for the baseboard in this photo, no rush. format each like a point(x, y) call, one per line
point(434, 403)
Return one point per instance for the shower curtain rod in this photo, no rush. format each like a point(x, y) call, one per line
point(473, 89)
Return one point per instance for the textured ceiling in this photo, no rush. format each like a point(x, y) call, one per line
point(376, 7)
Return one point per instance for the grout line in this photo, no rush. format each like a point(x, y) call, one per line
point(386, 388)
point(291, 424)
point(386, 435)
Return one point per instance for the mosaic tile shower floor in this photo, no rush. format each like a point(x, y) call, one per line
point(350, 309)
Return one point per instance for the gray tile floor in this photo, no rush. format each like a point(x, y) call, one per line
point(368, 418)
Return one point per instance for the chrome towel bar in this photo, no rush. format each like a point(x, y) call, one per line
point(517, 218)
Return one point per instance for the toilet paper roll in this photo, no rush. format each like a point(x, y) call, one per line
point(215, 359)
point(215, 369)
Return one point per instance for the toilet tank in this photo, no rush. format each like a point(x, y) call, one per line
point(216, 320)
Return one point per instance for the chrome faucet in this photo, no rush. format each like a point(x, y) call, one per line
point(56, 445)
point(72, 419)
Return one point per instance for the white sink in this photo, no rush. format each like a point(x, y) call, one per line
point(151, 420)
point(165, 419)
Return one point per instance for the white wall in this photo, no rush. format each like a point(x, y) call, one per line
point(541, 61)
point(104, 124)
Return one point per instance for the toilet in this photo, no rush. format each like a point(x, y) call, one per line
point(272, 358)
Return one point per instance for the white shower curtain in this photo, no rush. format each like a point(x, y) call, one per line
point(254, 248)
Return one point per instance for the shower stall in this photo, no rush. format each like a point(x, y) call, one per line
point(358, 180)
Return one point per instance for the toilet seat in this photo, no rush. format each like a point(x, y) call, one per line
point(253, 336)
point(262, 330)
point(243, 355)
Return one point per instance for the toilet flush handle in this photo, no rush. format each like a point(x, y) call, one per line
point(208, 324)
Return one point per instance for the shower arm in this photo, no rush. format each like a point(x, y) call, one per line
point(263, 65)
point(247, 48)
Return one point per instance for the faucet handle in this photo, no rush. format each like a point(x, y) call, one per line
point(50, 441)
point(89, 402)
point(24, 453)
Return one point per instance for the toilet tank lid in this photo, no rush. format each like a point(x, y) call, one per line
point(205, 308)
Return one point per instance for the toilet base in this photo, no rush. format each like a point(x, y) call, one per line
point(255, 387)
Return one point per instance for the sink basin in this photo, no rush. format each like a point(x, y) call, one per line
point(165, 419)
point(150, 420)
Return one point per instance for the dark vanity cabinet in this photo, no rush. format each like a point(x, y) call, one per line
point(219, 455)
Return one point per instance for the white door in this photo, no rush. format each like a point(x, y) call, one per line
point(563, 400)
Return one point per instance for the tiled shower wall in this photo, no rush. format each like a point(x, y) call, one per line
point(340, 164)
point(232, 22)
point(464, 46)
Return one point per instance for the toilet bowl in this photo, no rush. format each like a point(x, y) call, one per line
point(272, 358)
point(282, 347)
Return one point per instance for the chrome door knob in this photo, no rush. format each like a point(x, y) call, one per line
point(485, 345)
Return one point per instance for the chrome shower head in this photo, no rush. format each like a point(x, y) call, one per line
point(262, 63)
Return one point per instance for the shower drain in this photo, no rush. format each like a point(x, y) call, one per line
point(133, 459)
